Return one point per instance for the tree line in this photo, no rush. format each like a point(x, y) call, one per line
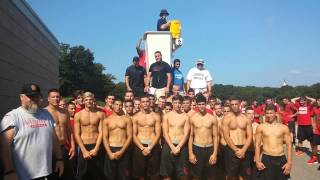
point(78, 70)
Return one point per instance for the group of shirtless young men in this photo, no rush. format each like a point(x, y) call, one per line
point(114, 142)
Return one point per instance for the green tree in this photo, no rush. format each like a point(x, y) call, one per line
point(78, 70)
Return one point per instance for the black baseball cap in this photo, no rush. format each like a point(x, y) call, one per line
point(136, 58)
point(30, 89)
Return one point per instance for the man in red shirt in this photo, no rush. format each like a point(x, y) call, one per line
point(289, 110)
point(316, 127)
point(257, 111)
point(304, 120)
point(78, 100)
point(109, 102)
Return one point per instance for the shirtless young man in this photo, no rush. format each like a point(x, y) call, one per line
point(63, 131)
point(273, 164)
point(128, 107)
point(88, 134)
point(203, 142)
point(146, 135)
point(187, 106)
point(237, 131)
point(250, 113)
point(117, 136)
point(174, 156)
point(217, 108)
point(107, 109)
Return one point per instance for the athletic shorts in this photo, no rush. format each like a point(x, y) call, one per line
point(68, 172)
point(202, 169)
point(305, 133)
point(292, 126)
point(235, 166)
point(146, 165)
point(117, 169)
point(316, 139)
point(174, 166)
point(93, 168)
point(221, 163)
point(273, 170)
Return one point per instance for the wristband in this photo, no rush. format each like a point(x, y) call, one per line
point(9, 172)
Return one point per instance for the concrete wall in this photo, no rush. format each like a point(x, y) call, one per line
point(28, 53)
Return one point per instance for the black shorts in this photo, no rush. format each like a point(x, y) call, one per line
point(305, 133)
point(202, 169)
point(93, 168)
point(138, 91)
point(221, 163)
point(292, 126)
point(146, 165)
point(174, 166)
point(235, 166)
point(117, 169)
point(68, 171)
point(316, 139)
point(273, 170)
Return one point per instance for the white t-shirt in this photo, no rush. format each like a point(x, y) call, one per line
point(198, 78)
point(31, 148)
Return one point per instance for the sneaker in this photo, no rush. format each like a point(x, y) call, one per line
point(299, 153)
point(313, 160)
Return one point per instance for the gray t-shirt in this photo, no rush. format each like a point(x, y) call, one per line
point(32, 144)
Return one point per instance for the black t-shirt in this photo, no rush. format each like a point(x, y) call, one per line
point(159, 72)
point(160, 22)
point(136, 76)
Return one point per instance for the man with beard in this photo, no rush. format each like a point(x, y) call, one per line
point(63, 131)
point(203, 142)
point(117, 136)
point(237, 131)
point(28, 139)
point(88, 134)
point(146, 135)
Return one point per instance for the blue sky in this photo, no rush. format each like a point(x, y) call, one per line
point(247, 42)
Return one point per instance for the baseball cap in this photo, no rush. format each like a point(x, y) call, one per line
point(136, 58)
point(200, 61)
point(30, 89)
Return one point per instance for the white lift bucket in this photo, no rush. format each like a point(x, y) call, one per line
point(157, 41)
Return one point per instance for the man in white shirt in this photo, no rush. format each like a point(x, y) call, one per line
point(199, 78)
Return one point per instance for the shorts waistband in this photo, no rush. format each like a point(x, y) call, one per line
point(274, 157)
point(175, 141)
point(146, 142)
point(203, 146)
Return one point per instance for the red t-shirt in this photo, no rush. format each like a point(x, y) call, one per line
point(285, 117)
point(207, 110)
point(256, 110)
point(316, 111)
point(142, 59)
point(78, 108)
point(304, 114)
point(289, 109)
point(71, 122)
point(108, 112)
